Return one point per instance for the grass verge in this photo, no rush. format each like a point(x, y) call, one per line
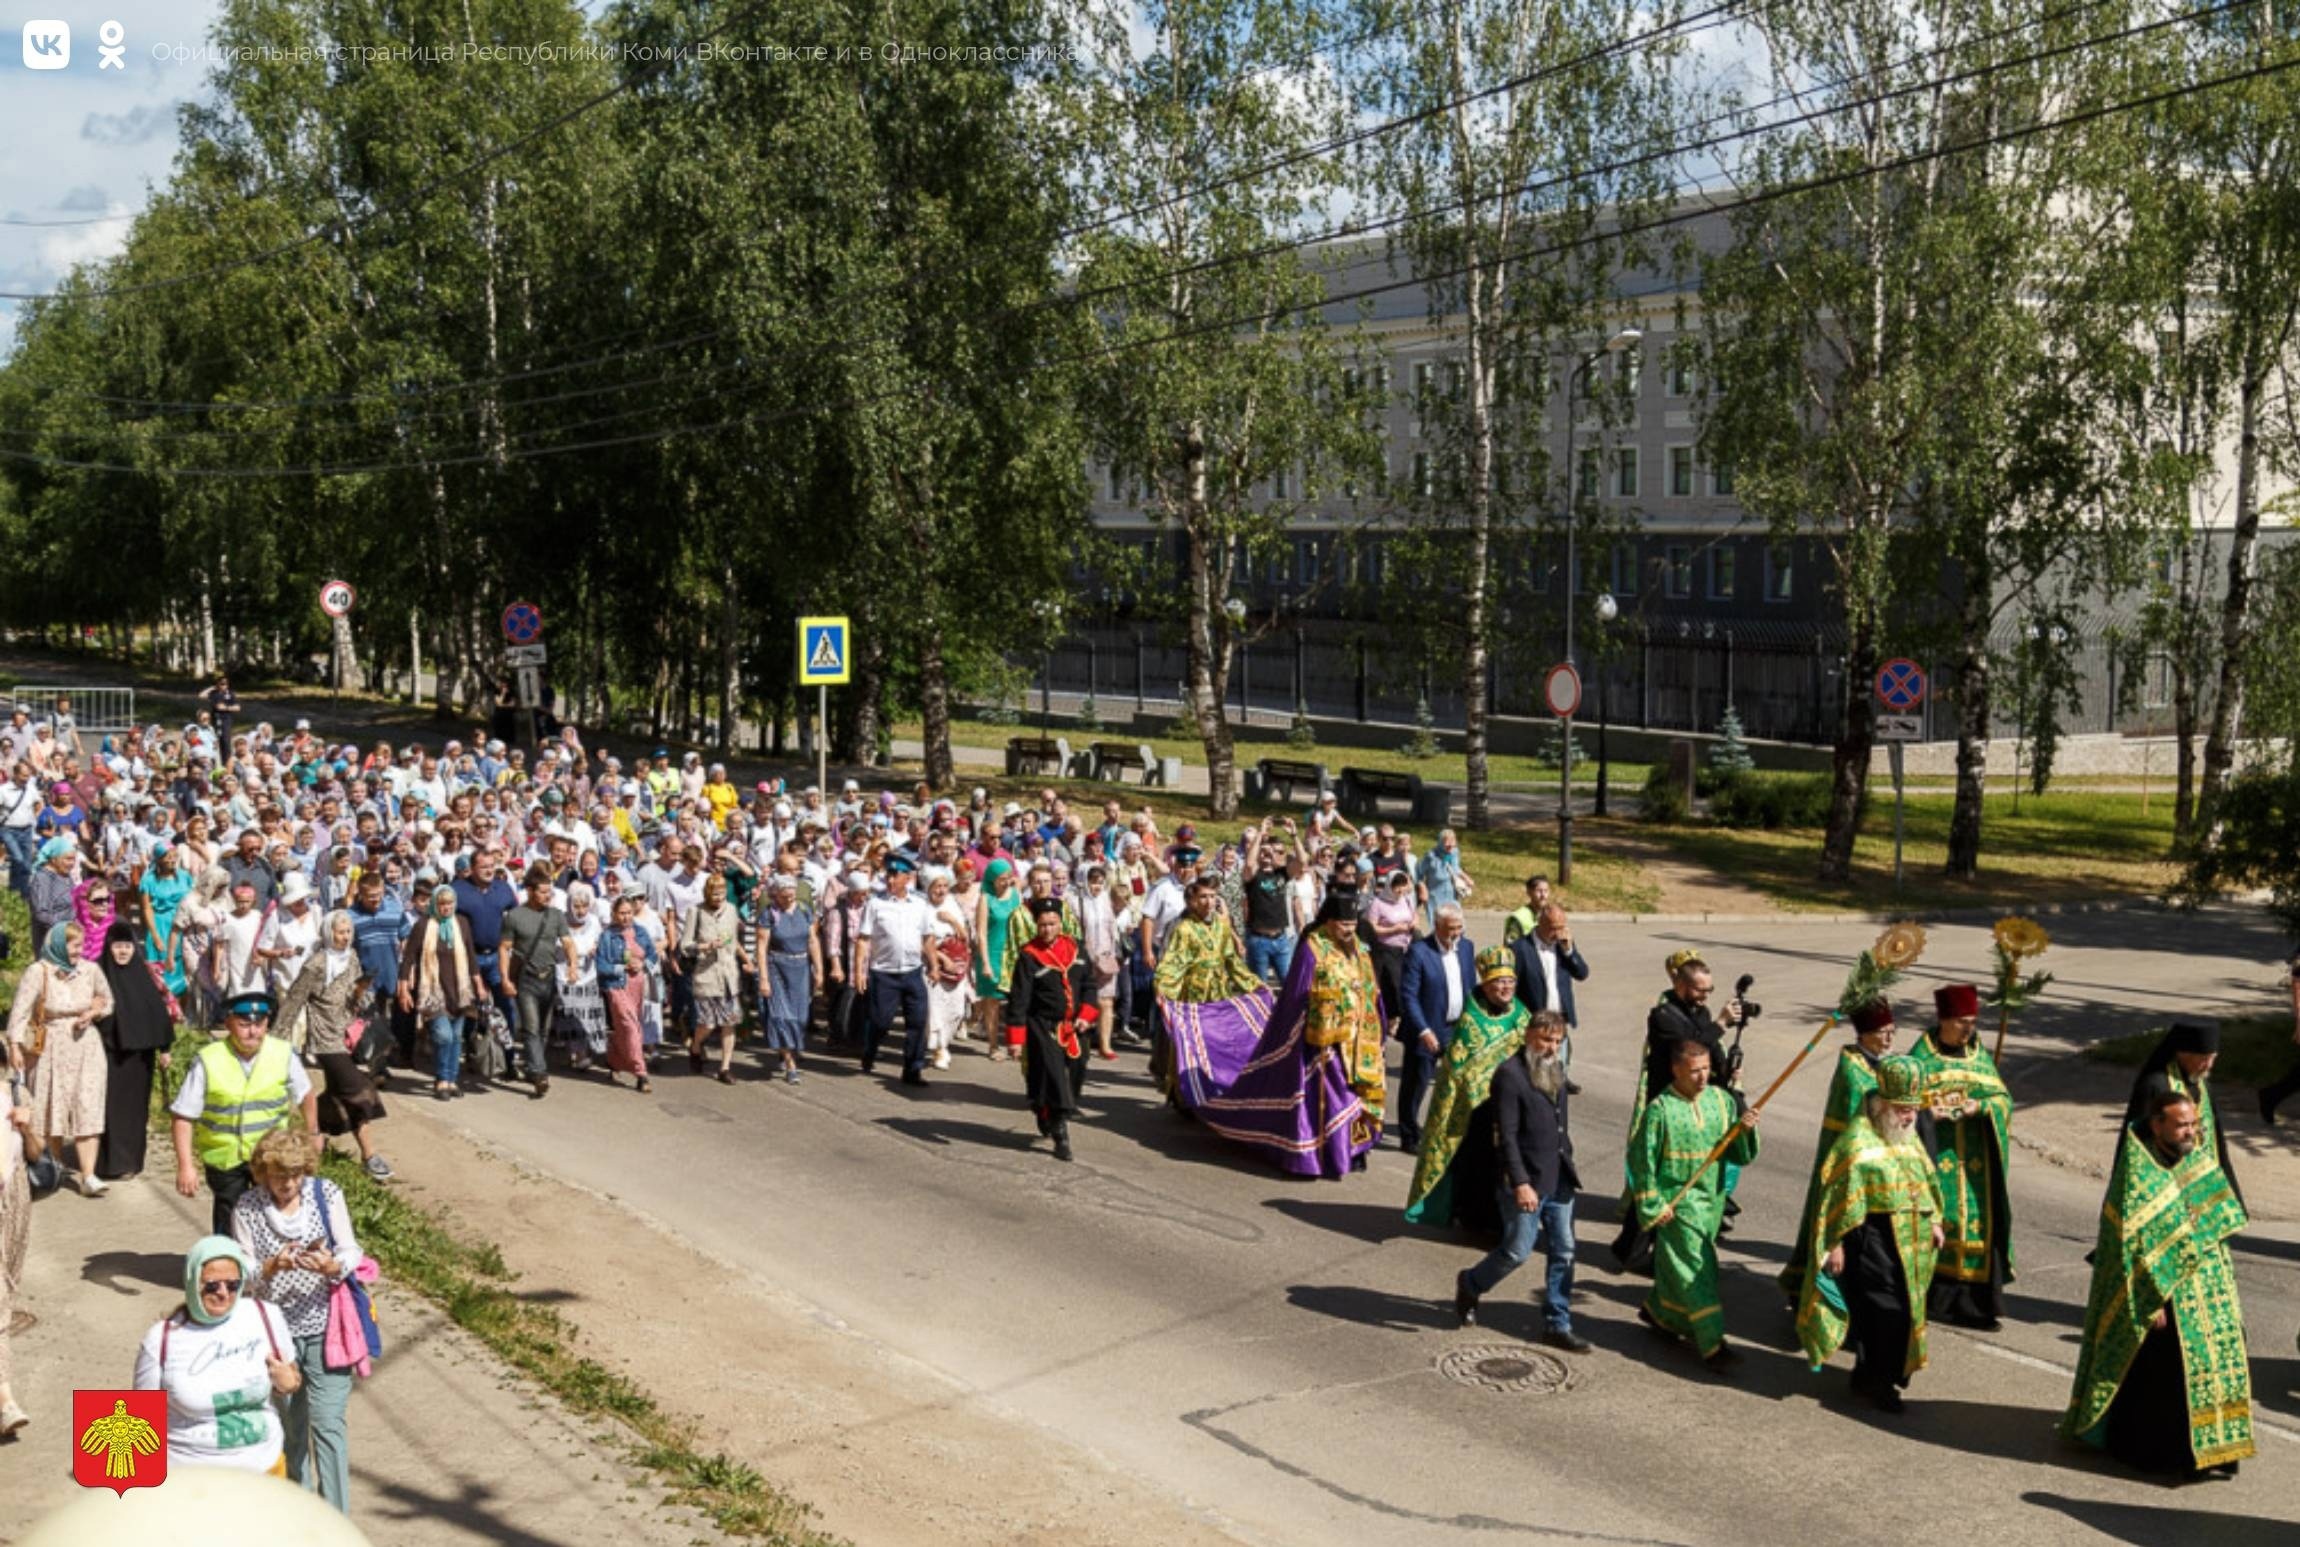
point(2254, 1049)
point(474, 1286)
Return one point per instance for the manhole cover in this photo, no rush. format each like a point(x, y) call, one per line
point(1507, 1368)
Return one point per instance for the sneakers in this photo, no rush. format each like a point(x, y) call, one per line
point(92, 1186)
point(12, 1418)
point(379, 1168)
point(942, 1058)
point(790, 1076)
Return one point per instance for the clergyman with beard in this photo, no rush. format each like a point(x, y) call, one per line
point(1538, 1182)
point(2162, 1382)
point(1875, 1233)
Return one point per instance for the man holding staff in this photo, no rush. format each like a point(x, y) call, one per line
point(1679, 1194)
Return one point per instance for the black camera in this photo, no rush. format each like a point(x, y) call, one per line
point(1750, 1009)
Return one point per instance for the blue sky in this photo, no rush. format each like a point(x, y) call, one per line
point(81, 143)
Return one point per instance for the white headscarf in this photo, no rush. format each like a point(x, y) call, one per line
point(345, 960)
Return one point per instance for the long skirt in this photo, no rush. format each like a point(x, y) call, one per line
point(651, 1009)
point(68, 1080)
point(626, 1025)
point(582, 1022)
point(947, 1007)
point(127, 1112)
point(790, 980)
point(349, 1101)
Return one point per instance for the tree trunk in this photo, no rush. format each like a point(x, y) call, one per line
point(1849, 772)
point(859, 726)
point(2235, 603)
point(1973, 697)
point(934, 705)
point(1209, 636)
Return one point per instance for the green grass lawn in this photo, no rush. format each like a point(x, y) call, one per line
point(2254, 1049)
point(2067, 846)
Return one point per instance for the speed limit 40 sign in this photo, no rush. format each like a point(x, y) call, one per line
point(336, 597)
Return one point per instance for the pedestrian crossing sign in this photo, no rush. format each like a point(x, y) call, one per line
point(822, 652)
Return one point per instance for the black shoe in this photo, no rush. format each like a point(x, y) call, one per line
point(1410, 1143)
point(913, 1077)
point(1464, 1301)
point(1886, 1399)
point(1045, 1126)
point(1653, 1326)
point(2267, 1109)
point(869, 1066)
point(1062, 1145)
point(1572, 1088)
point(1567, 1341)
point(542, 1086)
point(726, 1077)
point(1724, 1361)
point(1358, 1163)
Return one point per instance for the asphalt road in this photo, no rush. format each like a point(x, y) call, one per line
point(1279, 1354)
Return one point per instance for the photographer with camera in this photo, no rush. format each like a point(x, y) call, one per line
point(1683, 1016)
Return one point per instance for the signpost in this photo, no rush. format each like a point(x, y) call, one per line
point(523, 640)
point(1901, 689)
point(1561, 692)
point(335, 599)
point(825, 658)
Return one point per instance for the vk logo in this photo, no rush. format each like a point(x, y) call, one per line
point(47, 45)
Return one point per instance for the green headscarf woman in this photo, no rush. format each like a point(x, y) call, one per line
point(58, 952)
point(220, 1359)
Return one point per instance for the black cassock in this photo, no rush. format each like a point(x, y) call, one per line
point(1052, 1000)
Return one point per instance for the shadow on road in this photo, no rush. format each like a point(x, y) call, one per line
point(2148, 1525)
point(1373, 1223)
point(156, 1268)
point(950, 1130)
point(1373, 1307)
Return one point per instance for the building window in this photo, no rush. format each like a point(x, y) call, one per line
point(1349, 488)
point(1677, 575)
point(1680, 379)
point(1780, 574)
point(1721, 479)
point(1585, 476)
point(1382, 383)
point(1305, 561)
point(1278, 486)
point(1625, 472)
point(1421, 472)
point(1370, 563)
point(1421, 381)
point(1625, 569)
point(1631, 369)
point(1117, 484)
point(1681, 471)
point(1721, 574)
point(1456, 377)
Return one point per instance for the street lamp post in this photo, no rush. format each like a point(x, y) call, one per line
point(1235, 610)
point(1607, 610)
point(1624, 339)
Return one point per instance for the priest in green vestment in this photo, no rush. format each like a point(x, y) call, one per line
point(2161, 1378)
point(1967, 1129)
point(1849, 1088)
point(1874, 1234)
point(1489, 1033)
point(1676, 1141)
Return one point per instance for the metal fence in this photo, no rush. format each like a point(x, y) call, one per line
point(1786, 680)
point(93, 709)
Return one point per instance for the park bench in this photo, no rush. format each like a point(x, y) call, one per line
point(1037, 757)
point(1364, 789)
point(1274, 778)
point(1116, 759)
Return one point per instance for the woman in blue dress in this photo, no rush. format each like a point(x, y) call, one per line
point(164, 887)
point(789, 962)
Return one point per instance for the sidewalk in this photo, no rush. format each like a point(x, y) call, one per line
point(447, 1447)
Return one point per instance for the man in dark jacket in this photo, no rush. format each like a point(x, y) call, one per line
point(1440, 972)
point(1536, 1148)
point(1683, 1016)
point(1548, 965)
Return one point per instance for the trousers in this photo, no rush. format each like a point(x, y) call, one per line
point(1548, 1228)
point(890, 994)
point(317, 1440)
point(536, 1001)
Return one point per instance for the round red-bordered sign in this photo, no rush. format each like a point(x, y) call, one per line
point(523, 623)
point(1901, 684)
point(1561, 690)
point(336, 597)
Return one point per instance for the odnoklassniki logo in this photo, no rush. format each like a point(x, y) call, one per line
point(47, 45)
point(119, 1439)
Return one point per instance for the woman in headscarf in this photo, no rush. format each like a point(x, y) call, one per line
point(439, 984)
point(709, 945)
point(201, 912)
point(16, 1143)
point(949, 970)
point(221, 1358)
point(137, 1033)
point(51, 1028)
point(788, 964)
point(199, 851)
point(582, 1013)
point(993, 918)
point(626, 957)
point(161, 894)
point(93, 911)
point(330, 993)
point(51, 897)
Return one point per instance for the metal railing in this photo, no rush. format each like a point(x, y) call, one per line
point(101, 710)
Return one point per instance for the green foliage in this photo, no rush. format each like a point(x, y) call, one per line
point(1771, 803)
point(2254, 1049)
point(1729, 755)
point(1089, 716)
point(1662, 799)
point(2044, 689)
point(1424, 743)
point(1301, 735)
point(1549, 745)
point(2257, 846)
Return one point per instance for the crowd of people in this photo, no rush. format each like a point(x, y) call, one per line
point(346, 919)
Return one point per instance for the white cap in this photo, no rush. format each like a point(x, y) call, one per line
point(296, 888)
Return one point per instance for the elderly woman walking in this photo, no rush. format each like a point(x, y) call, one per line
point(626, 959)
point(582, 1012)
point(294, 1228)
point(137, 1035)
point(330, 993)
point(713, 958)
point(53, 898)
point(789, 962)
point(439, 983)
point(52, 1031)
point(15, 1236)
point(220, 1357)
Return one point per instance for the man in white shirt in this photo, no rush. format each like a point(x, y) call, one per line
point(890, 970)
point(1548, 965)
point(19, 809)
point(1165, 905)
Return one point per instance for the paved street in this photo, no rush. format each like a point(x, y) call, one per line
point(1274, 1356)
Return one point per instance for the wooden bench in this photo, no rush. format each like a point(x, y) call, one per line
point(1116, 759)
point(1037, 757)
point(1274, 778)
point(1363, 790)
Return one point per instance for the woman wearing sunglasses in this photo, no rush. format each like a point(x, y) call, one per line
point(221, 1360)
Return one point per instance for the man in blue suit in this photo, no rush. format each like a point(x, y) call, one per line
point(1440, 974)
point(1548, 965)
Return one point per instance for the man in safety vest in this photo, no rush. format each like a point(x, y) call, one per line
point(239, 1089)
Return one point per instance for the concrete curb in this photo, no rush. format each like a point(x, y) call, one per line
point(1984, 915)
